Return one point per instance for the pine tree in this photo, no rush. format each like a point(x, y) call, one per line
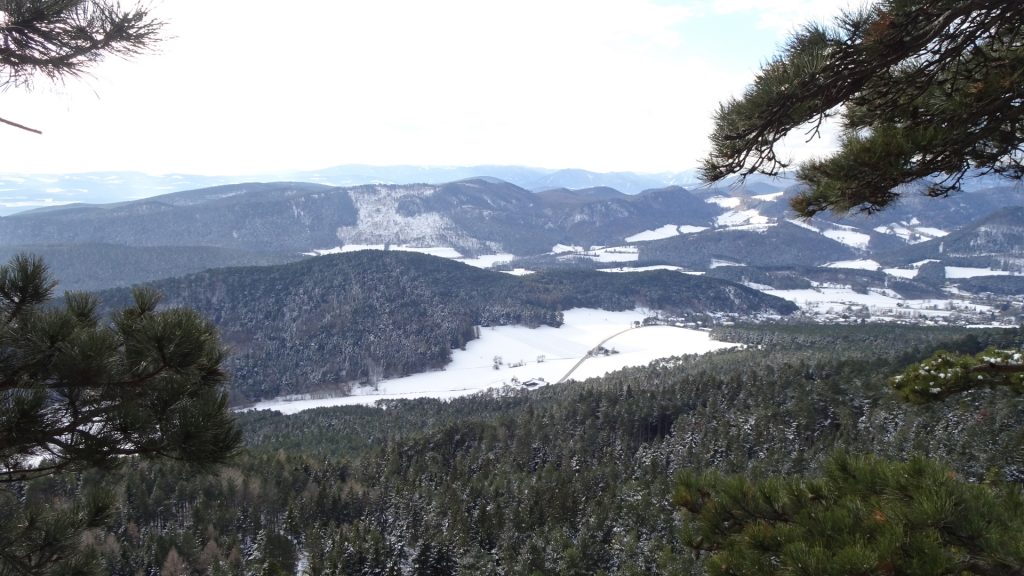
point(925, 89)
point(948, 373)
point(865, 516)
point(78, 393)
point(64, 38)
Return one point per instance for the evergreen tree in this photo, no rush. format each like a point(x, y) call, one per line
point(61, 38)
point(947, 373)
point(924, 89)
point(78, 393)
point(865, 516)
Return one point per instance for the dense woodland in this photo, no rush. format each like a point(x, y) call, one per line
point(569, 479)
point(325, 323)
point(783, 245)
point(756, 460)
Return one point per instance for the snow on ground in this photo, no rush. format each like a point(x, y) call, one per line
point(716, 263)
point(803, 224)
point(528, 353)
point(608, 254)
point(911, 232)
point(851, 238)
point(724, 201)
point(648, 268)
point(519, 271)
point(488, 260)
point(908, 273)
point(442, 251)
point(843, 234)
point(963, 272)
point(563, 248)
point(855, 264)
point(744, 220)
point(768, 197)
point(615, 254)
point(666, 231)
point(836, 300)
point(687, 229)
point(483, 261)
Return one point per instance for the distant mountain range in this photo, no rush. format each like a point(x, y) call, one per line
point(19, 192)
point(93, 246)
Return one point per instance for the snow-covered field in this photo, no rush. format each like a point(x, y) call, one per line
point(855, 264)
point(484, 261)
point(724, 201)
point(666, 231)
point(848, 236)
point(442, 251)
point(744, 220)
point(605, 254)
point(964, 272)
point(649, 268)
point(488, 260)
point(825, 300)
point(531, 353)
point(911, 232)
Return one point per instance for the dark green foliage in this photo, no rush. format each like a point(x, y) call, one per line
point(864, 516)
point(60, 38)
point(77, 393)
point(923, 88)
point(946, 373)
point(331, 321)
point(40, 538)
point(568, 479)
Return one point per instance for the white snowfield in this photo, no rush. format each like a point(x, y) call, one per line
point(848, 236)
point(724, 201)
point(531, 354)
point(666, 231)
point(484, 261)
point(744, 220)
point(825, 300)
point(654, 267)
point(604, 254)
point(908, 273)
point(856, 264)
point(964, 272)
point(441, 251)
point(838, 232)
point(911, 232)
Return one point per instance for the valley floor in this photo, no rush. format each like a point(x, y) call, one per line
point(516, 355)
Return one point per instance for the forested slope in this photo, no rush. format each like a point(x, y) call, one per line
point(574, 479)
point(325, 323)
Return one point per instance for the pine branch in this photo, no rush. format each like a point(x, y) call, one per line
point(22, 126)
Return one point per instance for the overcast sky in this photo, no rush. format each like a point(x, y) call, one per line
point(603, 85)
